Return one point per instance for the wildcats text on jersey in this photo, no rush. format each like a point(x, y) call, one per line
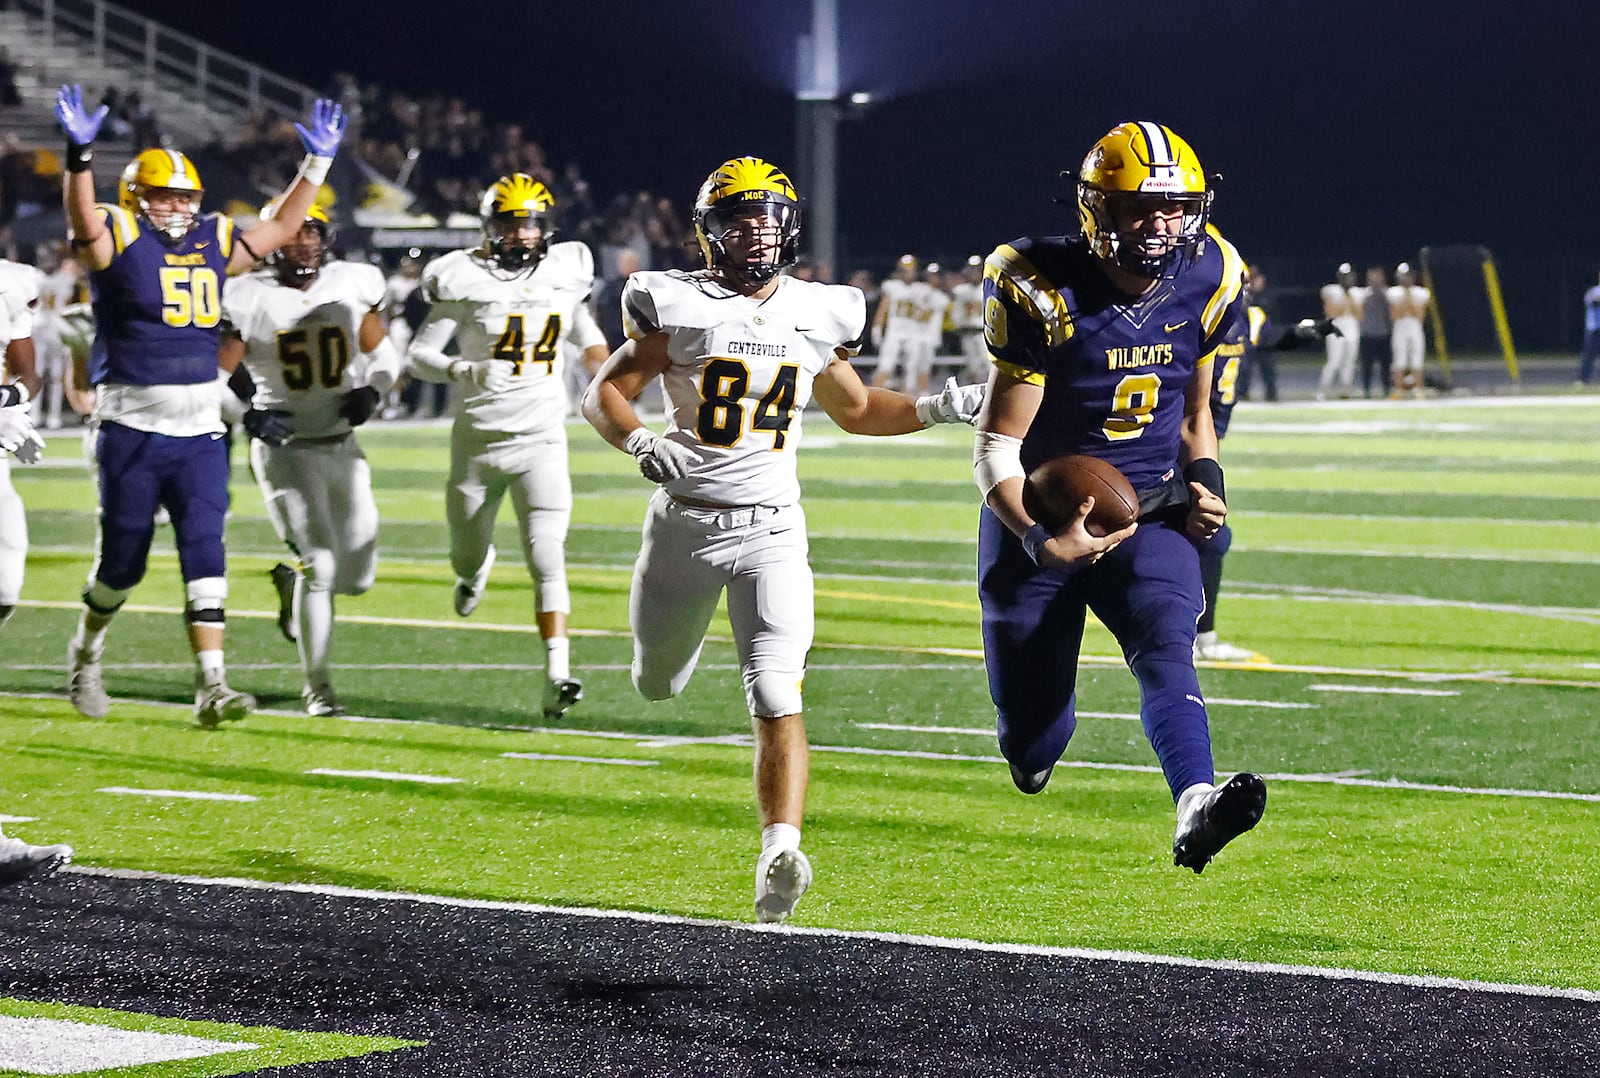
point(1138, 355)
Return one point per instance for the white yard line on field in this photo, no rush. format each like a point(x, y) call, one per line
point(180, 795)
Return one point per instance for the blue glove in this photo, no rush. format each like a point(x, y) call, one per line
point(269, 426)
point(81, 127)
point(328, 122)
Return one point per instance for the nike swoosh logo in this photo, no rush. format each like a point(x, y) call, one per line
point(802, 329)
point(1170, 326)
point(202, 246)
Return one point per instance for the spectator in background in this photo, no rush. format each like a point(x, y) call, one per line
point(1376, 328)
point(9, 96)
point(1591, 336)
point(608, 303)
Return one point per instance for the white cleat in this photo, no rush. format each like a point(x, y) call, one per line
point(469, 592)
point(321, 703)
point(1209, 648)
point(216, 704)
point(18, 860)
point(84, 687)
point(780, 881)
point(560, 695)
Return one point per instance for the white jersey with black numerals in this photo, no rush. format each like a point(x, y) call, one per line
point(520, 318)
point(966, 306)
point(741, 373)
point(303, 346)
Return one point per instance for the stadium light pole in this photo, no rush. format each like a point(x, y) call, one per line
point(818, 112)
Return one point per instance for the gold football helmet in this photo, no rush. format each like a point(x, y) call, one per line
point(162, 173)
point(739, 189)
point(298, 262)
point(515, 231)
point(1140, 172)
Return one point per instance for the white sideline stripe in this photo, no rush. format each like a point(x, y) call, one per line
point(17, 819)
point(1489, 677)
point(942, 943)
point(30, 1045)
point(558, 758)
point(651, 740)
point(1227, 701)
point(1385, 690)
point(182, 795)
point(388, 776)
point(1268, 593)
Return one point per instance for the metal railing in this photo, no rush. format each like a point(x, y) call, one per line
point(205, 75)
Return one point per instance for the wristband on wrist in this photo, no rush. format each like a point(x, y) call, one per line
point(314, 169)
point(639, 441)
point(79, 156)
point(1206, 472)
point(12, 394)
point(1034, 539)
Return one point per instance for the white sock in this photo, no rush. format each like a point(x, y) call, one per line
point(313, 615)
point(90, 643)
point(779, 837)
point(1199, 789)
point(210, 662)
point(557, 658)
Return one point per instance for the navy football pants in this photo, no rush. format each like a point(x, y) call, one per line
point(1146, 591)
point(140, 471)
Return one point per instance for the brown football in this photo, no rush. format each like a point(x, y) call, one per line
point(1053, 491)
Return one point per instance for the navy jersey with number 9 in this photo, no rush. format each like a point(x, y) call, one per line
point(1113, 369)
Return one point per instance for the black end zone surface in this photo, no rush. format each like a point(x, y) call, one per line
point(514, 993)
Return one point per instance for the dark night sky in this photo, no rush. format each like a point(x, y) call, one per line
point(1354, 131)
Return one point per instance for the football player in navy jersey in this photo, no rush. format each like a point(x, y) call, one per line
point(157, 270)
point(1102, 344)
point(1255, 338)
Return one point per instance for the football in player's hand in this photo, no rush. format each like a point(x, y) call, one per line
point(1055, 489)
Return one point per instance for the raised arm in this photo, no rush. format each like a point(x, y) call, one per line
point(87, 231)
point(321, 140)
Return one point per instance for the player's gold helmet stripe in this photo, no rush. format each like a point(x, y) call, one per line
point(516, 195)
point(157, 167)
point(746, 179)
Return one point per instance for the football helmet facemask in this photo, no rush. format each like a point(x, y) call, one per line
point(163, 187)
point(752, 203)
point(298, 262)
point(1137, 176)
point(516, 232)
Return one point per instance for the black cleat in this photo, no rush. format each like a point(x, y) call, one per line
point(1031, 782)
point(283, 580)
point(1217, 818)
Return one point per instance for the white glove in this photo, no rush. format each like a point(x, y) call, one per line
point(957, 404)
point(493, 375)
point(661, 460)
point(17, 435)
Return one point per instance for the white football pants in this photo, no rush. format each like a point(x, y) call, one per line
point(13, 537)
point(688, 557)
point(1342, 351)
point(907, 349)
point(318, 496)
point(484, 465)
point(1407, 344)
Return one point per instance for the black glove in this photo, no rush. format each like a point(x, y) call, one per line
point(359, 404)
point(269, 426)
point(1309, 330)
